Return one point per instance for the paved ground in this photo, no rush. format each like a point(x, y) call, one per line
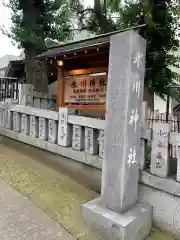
point(56, 194)
point(23, 220)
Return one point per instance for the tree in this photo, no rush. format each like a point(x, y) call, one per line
point(161, 38)
point(162, 19)
point(33, 21)
point(57, 19)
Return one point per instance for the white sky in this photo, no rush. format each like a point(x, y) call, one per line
point(6, 46)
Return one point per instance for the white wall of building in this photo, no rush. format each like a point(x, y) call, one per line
point(4, 61)
point(160, 104)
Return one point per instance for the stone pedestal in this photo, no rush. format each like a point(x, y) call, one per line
point(116, 215)
point(135, 224)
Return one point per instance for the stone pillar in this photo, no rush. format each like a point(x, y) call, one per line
point(91, 141)
point(16, 121)
point(43, 129)
point(26, 95)
point(64, 129)
point(34, 126)
point(78, 138)
point(160, 152)
point(116, 213)
point(25, 124)
point(52, 131)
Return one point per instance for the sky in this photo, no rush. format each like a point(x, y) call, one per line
point(6, 46)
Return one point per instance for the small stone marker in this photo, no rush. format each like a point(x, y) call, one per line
point(43, 129)
point(51, 105)
point(91, 141)
point(159, 152)
point(37, 102)
point(78, 138)
point(25, 124)
point(116, 214)
point(44, 103)
point(8, 116)
point(16, 121)
point(34, 126)
point(64, 129)
point(52, 131)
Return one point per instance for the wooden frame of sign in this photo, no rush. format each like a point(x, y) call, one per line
point(61, 87)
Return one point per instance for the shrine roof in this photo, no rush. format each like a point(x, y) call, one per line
point(98, 41)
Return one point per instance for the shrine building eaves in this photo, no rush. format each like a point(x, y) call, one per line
point(99, 41)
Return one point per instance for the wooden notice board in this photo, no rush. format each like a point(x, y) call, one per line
point(82, 89)
point(85, 90)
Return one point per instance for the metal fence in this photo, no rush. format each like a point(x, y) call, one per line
point(9, 88)
point(156, 116)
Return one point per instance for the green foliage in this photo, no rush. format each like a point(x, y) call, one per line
point(35, 20)
point(58, 19)
point(163, 22)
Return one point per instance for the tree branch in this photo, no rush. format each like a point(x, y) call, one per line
point(86, 10)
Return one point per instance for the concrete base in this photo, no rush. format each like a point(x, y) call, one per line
point(135, 224)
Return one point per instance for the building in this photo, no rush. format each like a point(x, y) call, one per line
point(4, 62)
